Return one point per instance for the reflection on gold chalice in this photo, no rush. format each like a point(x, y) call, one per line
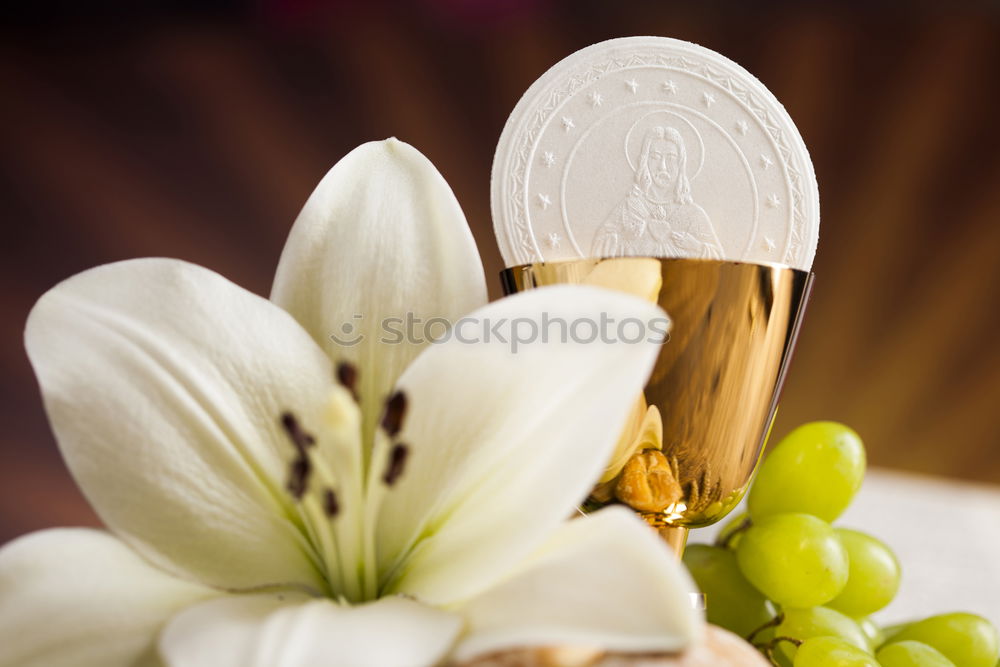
point(691, 446)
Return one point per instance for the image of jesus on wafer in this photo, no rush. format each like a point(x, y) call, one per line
point(658, 217)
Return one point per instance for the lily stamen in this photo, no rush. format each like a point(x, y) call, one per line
point(296, 434)
point(331, 506)
point(395, 411)
point(397, 463)
point(304, 466)
point(347, 376)
point(298, 480)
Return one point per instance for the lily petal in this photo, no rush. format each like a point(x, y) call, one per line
point(643, 430)
point(604, 581)
point(507, 440)
point(262, 631)
point(76, 597)
point(165, 384)
point(381, 237)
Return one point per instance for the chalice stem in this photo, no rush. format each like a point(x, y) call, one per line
point(675, 536)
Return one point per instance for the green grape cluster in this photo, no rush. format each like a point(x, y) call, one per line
point(802, 590)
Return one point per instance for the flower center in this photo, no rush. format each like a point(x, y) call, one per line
point(336, 496)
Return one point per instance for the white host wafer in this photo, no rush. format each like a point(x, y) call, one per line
point(655, 147)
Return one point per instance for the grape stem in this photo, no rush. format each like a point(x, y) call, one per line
point(725, 540)
point(769, 647)
point(773, 623)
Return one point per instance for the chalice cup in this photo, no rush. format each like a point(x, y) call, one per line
point(703, 419)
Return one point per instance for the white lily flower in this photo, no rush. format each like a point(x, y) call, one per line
point(267, 505)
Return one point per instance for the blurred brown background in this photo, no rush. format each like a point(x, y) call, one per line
point(197, 131)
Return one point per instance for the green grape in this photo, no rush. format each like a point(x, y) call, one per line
point(731, 601)
point(831, 652)
point(875, 634)
point(912, 654)
point(805, 624)
point(732, 530)
point(873, 577)
point(890, 631)
point(796, 560)
point(816, 469)
point(965, 639)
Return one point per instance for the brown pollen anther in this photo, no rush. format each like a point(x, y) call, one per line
point(395, 411)
point(397, 462)
point(296, 434)
point(347, 376)
point(331, 506)
point(298, 480)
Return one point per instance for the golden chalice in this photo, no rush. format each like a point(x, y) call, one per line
point(698, 431)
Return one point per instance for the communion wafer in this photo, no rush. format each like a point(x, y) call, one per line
point(650, 146)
